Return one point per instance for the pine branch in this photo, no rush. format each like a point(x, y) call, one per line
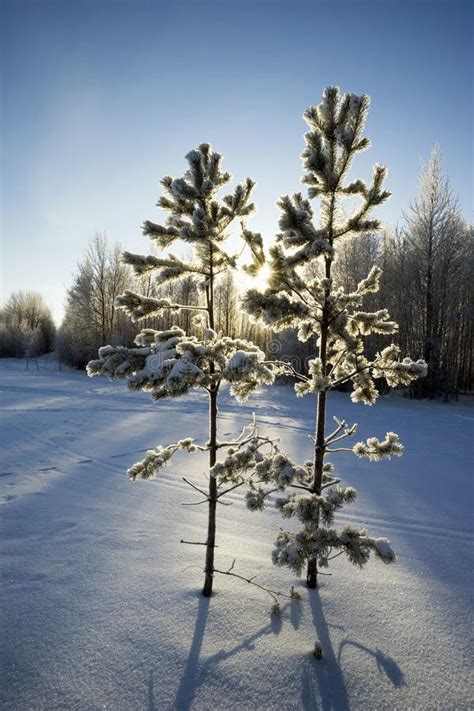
point(288, 367)
point(340, 425)
point(345, 378)
point(227, 491)
point(332, 482)
point(194, 486)
point(348, 433)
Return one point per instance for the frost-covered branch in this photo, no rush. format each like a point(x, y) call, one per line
point(169, 268)
point(190, 483)
point(168, 363)
point(294, 550)
point(155, 459)
point(139, 307)
point(231, 488)
point(287, 369)
point(375, 450)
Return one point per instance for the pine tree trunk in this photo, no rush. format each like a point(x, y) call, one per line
point(211, 524)
point(319, 442)
point(312, 571)
point(312, 574)
point(213, 395)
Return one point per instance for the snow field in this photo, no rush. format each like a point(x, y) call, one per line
point(100, 603)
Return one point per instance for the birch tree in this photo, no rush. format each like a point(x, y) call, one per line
point(436, 236)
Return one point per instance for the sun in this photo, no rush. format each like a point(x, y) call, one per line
point(263, 275)
point(244, 282)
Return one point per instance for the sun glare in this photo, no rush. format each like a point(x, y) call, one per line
point(263, 276)
point(259, 281)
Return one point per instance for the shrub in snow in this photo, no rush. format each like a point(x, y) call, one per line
point(170, 363)
point(301, 294)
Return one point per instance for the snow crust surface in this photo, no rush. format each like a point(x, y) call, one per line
point(101, 604)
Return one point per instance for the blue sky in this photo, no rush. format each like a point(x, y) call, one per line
point(100, 99)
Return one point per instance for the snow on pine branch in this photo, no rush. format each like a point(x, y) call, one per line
point(396, 372)
point(295, 549)
point(139, 307)
point(254, 241)
point(164, 236)
point(348, 365)
point(271, 467)
point(276, 310)
point(312, 507)
point(168, 268)
point(296, 224)
point(371, 283)
point(316, 382)
point(376, 450)
point(157, 458)
point(365, 323)
point(246, 371)
point(169, 363)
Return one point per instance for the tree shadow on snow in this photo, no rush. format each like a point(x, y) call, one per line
point(152, 703)
point(323, 678)
point(295, 613)
point(323, 684)
point(189, 681)
point(194, 672)
point(385, 664)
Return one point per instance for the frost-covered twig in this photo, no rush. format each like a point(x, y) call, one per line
point(340, 425)
point(289, 368)
point(338, 449)
point(330, 483)
point(347, 433)
point(275, 594)
point(194, 486)
point(227, 491)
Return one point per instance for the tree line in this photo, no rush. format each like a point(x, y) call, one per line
point(427, 266)
point(26, 326)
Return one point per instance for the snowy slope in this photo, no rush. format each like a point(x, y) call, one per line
point(100, 603)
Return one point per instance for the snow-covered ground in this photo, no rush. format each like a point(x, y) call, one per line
point(100, 602)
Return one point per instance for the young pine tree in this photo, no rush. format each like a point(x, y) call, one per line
point(170, 363)
point(296, 298)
